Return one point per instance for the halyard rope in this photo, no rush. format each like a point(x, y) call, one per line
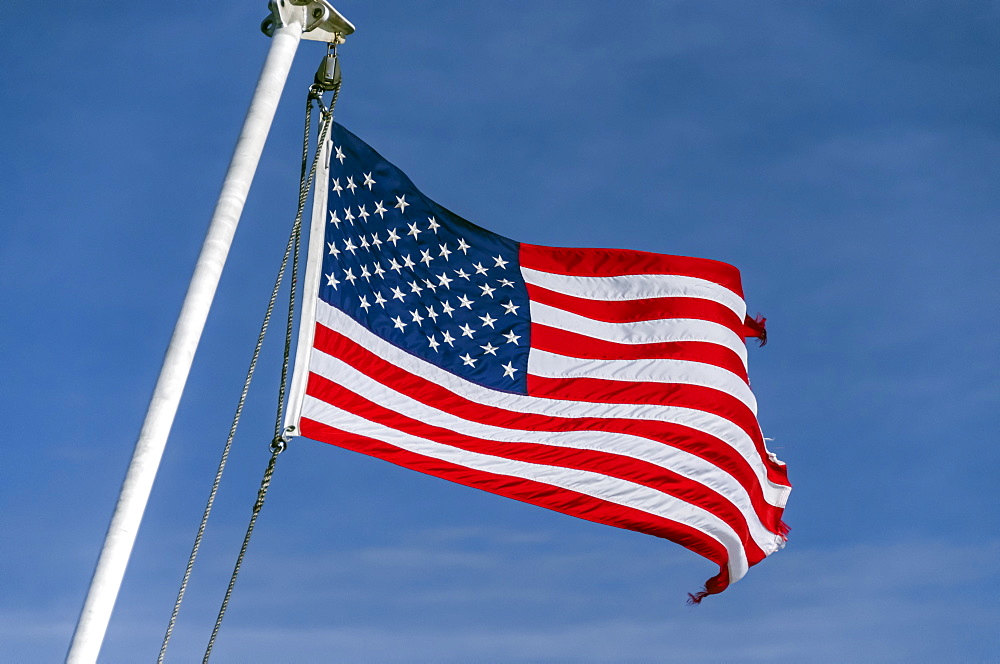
point(278, 443)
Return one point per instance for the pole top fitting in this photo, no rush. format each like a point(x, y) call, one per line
point(320, 21)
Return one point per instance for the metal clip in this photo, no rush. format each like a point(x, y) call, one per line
point(278, 445)
point(281, 440)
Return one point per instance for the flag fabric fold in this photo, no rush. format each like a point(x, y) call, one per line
point(607, 384)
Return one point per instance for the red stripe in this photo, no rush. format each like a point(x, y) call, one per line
point(572, 344)
point(604, 463)
point(711, 449)
point(630, 311)
point(617, 262)
point(696, 397)
point(690, 440)
point(528, 491)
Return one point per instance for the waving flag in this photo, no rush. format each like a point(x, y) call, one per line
point(606, 384)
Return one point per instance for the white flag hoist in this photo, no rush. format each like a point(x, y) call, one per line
point(289, 22)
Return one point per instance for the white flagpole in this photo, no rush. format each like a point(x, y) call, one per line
point(288, 23)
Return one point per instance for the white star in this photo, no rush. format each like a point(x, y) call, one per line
point(363, 213)
point(464, 302)
point(430, 284)
point(348, 216)
point(380, 209)
point(433, 315)
point(508, 369)
point(334, 219)
point(487, 319)
point(394, 265)
point(463, 246)
point(408, 262)
point(379, 300)
point(425, 256)
point(511, 337)
point(340, 154)
point(364, 243)
point(506, 282)
point(364, 303)
point(463, 274)
point(350, 246)
point(365, 274)
point(415, 288)
point(397, 293)
point(433, 343)
point(401, 203)
point(445, 280)
point(368, 181)
point(332, 281)
point(398, 323)
point(351, 185)
point(447, 338)
point(487, 290)
point(333, 249)
point(444, 250)
point(377, 243)
point(501, 263)
point(379, 271)
point(479, 268)
point(336, 186)
point(434, 225)
point(393, 237)
point(349, 275)
point(511, 307)
point(467, 359)
point(490, 349)
point(417, 318)
point(447, 308)
point(467, 331)
point(414, 231)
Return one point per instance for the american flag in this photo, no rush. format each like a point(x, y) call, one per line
point(606, 384)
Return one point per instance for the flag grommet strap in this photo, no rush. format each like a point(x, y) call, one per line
point(607, 384)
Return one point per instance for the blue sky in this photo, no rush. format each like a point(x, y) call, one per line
point(844, 155)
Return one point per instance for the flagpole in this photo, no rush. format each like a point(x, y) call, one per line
point(288, 20)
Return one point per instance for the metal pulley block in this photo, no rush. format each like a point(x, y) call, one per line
point(328, 74)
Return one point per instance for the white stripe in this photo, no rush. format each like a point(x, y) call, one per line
point(610, 489)
point(551, 365)
point(717, 427)
point(636, 287)
point(640, 332)
point(678, 461)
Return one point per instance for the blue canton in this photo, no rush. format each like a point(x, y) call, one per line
point(419, 276)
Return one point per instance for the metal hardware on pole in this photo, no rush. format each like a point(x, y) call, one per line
point(288, 22)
